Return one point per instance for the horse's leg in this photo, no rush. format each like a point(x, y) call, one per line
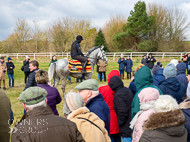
point(56, 81)
point(64, 82)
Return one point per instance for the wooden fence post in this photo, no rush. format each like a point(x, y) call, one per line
point(114, 56)
point(17, 56)
point(131, 55)
point(163, 55)
point(67, 55)
point(34, 56)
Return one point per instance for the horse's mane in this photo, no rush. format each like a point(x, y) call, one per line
point(92, 49)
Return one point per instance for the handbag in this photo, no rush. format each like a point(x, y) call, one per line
point(22, 68)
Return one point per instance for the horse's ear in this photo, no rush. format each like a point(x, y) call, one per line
point(102, 47)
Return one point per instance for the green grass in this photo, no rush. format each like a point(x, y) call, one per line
point(13, 93)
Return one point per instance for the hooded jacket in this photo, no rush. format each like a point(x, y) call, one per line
point(122, 105)
point(143, 79)
point(173, 87)
point(98, 106)
point(185, 107)
point(121, 64)
point(147, 106)
point(165, 127)
point(158, 77)
point(40, 125)
point(181, 73)
point(129, 64)
point(89, 131)
point(108, 96)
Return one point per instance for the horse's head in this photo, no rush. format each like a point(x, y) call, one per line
point(102, 54)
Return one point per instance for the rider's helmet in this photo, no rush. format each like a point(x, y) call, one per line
point(79, 38)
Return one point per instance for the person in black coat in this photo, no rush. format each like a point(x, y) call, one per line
point(150, 61)
point(10, 71)
point(144, 60)
point(123, 98)
point(33, 65)
point(26, 68)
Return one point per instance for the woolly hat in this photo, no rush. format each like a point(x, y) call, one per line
point(174, 61)
point(9, 58)
point(165, 103)
point(170, 70)
point(148, 94)
point(155, 69)
point(73, 101)
point(159, 64)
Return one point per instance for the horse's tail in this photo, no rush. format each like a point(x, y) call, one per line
point(51, 70)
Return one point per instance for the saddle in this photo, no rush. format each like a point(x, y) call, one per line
point(75, 66)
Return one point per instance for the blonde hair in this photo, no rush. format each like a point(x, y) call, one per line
point(138, 67)
point(41, 77)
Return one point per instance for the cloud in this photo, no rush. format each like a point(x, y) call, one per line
point(48, 11)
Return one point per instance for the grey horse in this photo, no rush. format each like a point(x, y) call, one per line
point(59, 69)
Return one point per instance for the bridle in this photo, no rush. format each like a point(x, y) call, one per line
point(99, 54)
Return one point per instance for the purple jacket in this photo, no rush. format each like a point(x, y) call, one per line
point(53, 97)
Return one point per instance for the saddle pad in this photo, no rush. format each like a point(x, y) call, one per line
point(75, 66)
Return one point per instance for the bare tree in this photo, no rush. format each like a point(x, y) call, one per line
point(113, 26)
point(22, 33)
point(169, 32)
point(38, 36)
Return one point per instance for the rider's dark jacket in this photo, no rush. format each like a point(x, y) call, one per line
point(75, 49)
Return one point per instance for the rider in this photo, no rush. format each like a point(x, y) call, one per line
point(77, 54)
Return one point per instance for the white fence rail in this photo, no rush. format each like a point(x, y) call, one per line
point(108, 54)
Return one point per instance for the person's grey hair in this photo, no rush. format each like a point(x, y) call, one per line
point(165, 103)
point(95, 92)
point(42, 103)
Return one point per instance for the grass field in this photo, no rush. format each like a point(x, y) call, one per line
point(13, 93)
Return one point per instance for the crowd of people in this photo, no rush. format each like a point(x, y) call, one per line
point(154, 108)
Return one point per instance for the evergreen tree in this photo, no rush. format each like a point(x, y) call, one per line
point(100, 40)
point(139, 25)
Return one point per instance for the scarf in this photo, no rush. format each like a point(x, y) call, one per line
point(143, 107)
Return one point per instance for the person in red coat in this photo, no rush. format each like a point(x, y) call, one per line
point(108, 95)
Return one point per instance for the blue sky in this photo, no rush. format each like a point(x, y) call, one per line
point(48, 11)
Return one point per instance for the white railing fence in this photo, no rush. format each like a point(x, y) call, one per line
point(108, 54)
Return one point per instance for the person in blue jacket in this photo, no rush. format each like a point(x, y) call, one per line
point(171, 85)
point(129, 64)
point(158, 74)
point(181, 73)
point(121, 63)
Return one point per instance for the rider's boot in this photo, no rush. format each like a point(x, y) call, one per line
point(84, 67)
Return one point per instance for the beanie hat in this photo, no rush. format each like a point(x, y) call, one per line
point(9, 58)
point(155, 69)
point(153, 95)
point(170, 70)
point(73, 101)
point(159, 64)
point(165, 103)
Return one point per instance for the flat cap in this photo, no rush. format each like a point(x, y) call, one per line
point(33, 95)
point(89, 84)
point(2, 58)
